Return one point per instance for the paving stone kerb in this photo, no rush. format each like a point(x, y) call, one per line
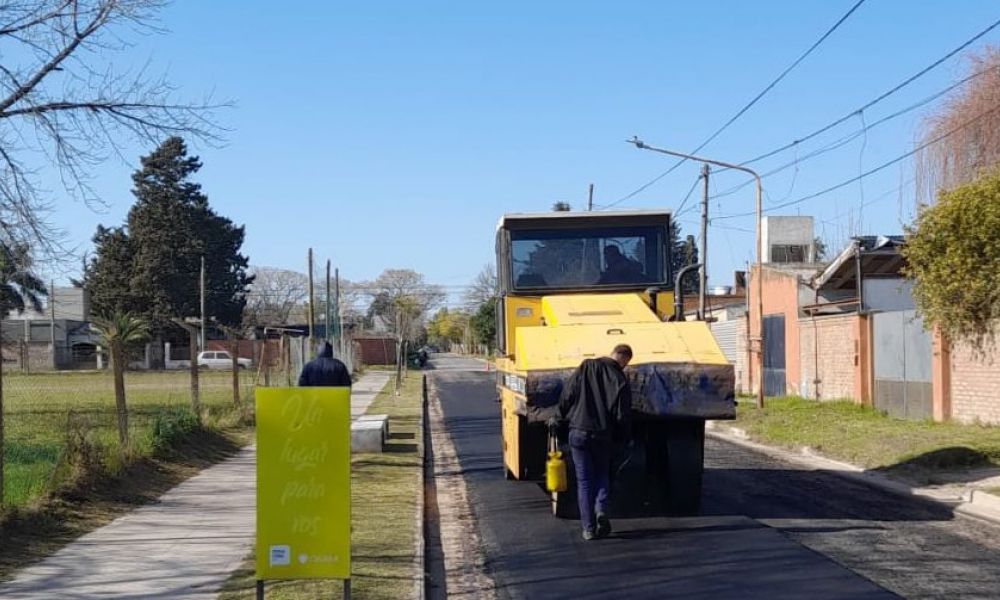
point(185, 545)
point(382, 420)
point(367, 436)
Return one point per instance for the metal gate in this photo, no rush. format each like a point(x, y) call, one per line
point(902, 365)
point(727, 335)
point(774, 355)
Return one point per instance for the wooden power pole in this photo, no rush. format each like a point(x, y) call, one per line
point(312, 300)
point(703, 251)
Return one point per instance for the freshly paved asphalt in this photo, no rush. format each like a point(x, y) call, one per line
point(768, 529)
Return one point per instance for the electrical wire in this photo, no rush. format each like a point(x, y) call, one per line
point(869, 172)
point(745, 107)
point(843, 141)
point(880, 97)
point(680, 207)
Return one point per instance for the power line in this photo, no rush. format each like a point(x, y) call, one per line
point(746, 107)
point(680, 207)
point(884, 165)
point(879, 98)
point(839, 143)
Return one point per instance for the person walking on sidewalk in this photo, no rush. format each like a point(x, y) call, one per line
point(325, 370)
point(597, 404)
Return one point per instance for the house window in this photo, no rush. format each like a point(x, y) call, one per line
point(782, 253)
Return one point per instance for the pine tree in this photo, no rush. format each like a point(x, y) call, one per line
point(683, 253)
point(20, 288)
point(151, 266)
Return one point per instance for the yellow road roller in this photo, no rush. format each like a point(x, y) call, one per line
point(572, 286)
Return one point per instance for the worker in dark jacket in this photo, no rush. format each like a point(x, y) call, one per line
point(325, 370)
point(597, 404)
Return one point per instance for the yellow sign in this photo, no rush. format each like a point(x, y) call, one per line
point(303, 483)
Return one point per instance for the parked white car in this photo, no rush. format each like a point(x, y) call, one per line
point(220, 360)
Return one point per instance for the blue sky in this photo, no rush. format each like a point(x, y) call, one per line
point(394, 134)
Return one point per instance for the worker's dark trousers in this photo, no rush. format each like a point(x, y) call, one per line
point(592, 460)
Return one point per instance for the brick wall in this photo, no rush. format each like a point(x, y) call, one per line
point(376, 350)
point(39, 355)
point(828, 345)
point(975, 386)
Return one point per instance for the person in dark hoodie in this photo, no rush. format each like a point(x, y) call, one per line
point(325, 370)
point(597, 404)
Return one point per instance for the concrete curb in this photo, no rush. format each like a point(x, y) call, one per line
point(978, 504)
point(419, 559)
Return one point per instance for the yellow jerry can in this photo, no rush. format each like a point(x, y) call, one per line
point(555, 472)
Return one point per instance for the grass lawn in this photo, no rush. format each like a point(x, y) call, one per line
point(40, 409)
point(385, 491)
point(862, 436)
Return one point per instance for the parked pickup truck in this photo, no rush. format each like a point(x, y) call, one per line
point(220, 360)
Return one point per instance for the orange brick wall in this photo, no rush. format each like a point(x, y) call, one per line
point(975, 386)
point(828, 345)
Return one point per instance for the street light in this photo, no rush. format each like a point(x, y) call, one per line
point(760, 274)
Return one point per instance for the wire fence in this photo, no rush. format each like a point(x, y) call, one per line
point(59, 395)
point(45, 413)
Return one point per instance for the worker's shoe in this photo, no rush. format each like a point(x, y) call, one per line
point(588, 534)
point(603, 526)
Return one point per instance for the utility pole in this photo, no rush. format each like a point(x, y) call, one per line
point(201, 285)
point(590, 197)
point(703, 251)
point(327, 315)
point(312, 308)
point(336, 312)
point(52, 322)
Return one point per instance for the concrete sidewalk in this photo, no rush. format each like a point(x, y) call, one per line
point(185, 545)
point(364, 390)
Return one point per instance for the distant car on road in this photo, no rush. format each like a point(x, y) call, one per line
point(220, 360)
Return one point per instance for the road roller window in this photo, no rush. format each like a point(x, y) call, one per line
point(584, 258)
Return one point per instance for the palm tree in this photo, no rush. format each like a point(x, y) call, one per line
point(19, 287)
point(117, 331)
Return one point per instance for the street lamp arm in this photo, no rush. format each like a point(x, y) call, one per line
point(644, 146)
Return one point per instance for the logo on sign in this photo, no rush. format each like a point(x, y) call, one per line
point(280, 556)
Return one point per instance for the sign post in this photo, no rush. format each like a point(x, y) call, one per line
point(303, 484)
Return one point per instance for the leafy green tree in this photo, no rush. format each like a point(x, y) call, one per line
point(150, 266)
point(953, 255)
point(484, 324)
point(19, 286)
point(117, 332)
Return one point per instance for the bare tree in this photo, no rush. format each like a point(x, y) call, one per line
point(963, 135)
point(274, 296)
point(404, 298)
point(63, 103)
point(484, 287)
